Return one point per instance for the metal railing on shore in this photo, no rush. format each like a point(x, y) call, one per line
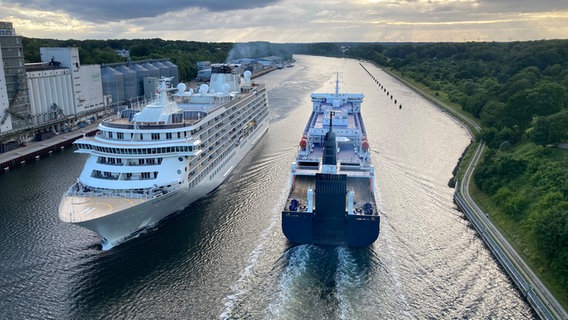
point(526, 289)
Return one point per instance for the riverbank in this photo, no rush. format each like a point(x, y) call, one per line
point(541, 299)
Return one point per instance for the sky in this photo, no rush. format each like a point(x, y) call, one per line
point(285, 21)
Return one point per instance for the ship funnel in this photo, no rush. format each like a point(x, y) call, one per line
point(330, 145)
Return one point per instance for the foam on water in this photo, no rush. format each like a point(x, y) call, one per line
point(292, 280)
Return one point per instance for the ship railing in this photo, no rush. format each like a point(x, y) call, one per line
point(102, 194)
point(78, 190)
point(146, 126)
point(354, 168)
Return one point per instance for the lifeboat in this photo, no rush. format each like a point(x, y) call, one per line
point(303, 143)
point(365, 144)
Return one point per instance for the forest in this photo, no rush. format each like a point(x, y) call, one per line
point(518, 91)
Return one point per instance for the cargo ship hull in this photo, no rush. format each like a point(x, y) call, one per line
point(332, 181)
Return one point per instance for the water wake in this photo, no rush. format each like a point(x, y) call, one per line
point(242, 286)
point(296, 285)
point(348, 279)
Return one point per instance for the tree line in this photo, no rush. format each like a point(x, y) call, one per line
point(519, 93)
point(184, 54)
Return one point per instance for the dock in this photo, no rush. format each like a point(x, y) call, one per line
point(34, 150)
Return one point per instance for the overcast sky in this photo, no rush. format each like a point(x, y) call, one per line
point(282, 21)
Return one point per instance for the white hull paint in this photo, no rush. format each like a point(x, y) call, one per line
point(123, 225)
point(146, 164)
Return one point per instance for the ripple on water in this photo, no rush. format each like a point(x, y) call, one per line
point(226, 256)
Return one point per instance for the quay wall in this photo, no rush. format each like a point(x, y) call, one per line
point(37, 149)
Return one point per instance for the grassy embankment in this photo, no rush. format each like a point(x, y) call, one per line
point(514, 230)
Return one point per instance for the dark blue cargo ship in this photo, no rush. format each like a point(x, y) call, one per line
point(332, 182)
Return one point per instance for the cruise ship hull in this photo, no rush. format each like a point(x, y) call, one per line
point(138, 215)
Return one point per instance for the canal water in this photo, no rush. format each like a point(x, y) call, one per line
point(225, 256)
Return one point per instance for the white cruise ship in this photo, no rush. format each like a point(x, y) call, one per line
point(146, 164)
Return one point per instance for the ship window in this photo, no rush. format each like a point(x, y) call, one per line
point(120, 135)
point(168, 135)
point(179, 135)
point(180, 158)
point(155, 136)
point(110, 134)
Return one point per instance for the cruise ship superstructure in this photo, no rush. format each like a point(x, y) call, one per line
point(147, 164)
point(332, 181)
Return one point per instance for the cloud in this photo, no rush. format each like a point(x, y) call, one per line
point(116, 10)
point(522, 5)
point(294, 20)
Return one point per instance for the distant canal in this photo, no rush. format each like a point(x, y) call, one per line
point(225, 256)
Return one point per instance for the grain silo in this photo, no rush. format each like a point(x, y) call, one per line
point(174, 71)
point(130, 84)
point(113, 83)
point(164, 71)
point(141, 73)
point(154, 72)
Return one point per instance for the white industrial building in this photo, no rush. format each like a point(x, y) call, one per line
point(4, 101)
point(86, 79)
point(89, 96)
point(60, 94)
point(51, 94)
point(60, 88)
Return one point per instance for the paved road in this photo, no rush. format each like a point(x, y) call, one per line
point(530, 284)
